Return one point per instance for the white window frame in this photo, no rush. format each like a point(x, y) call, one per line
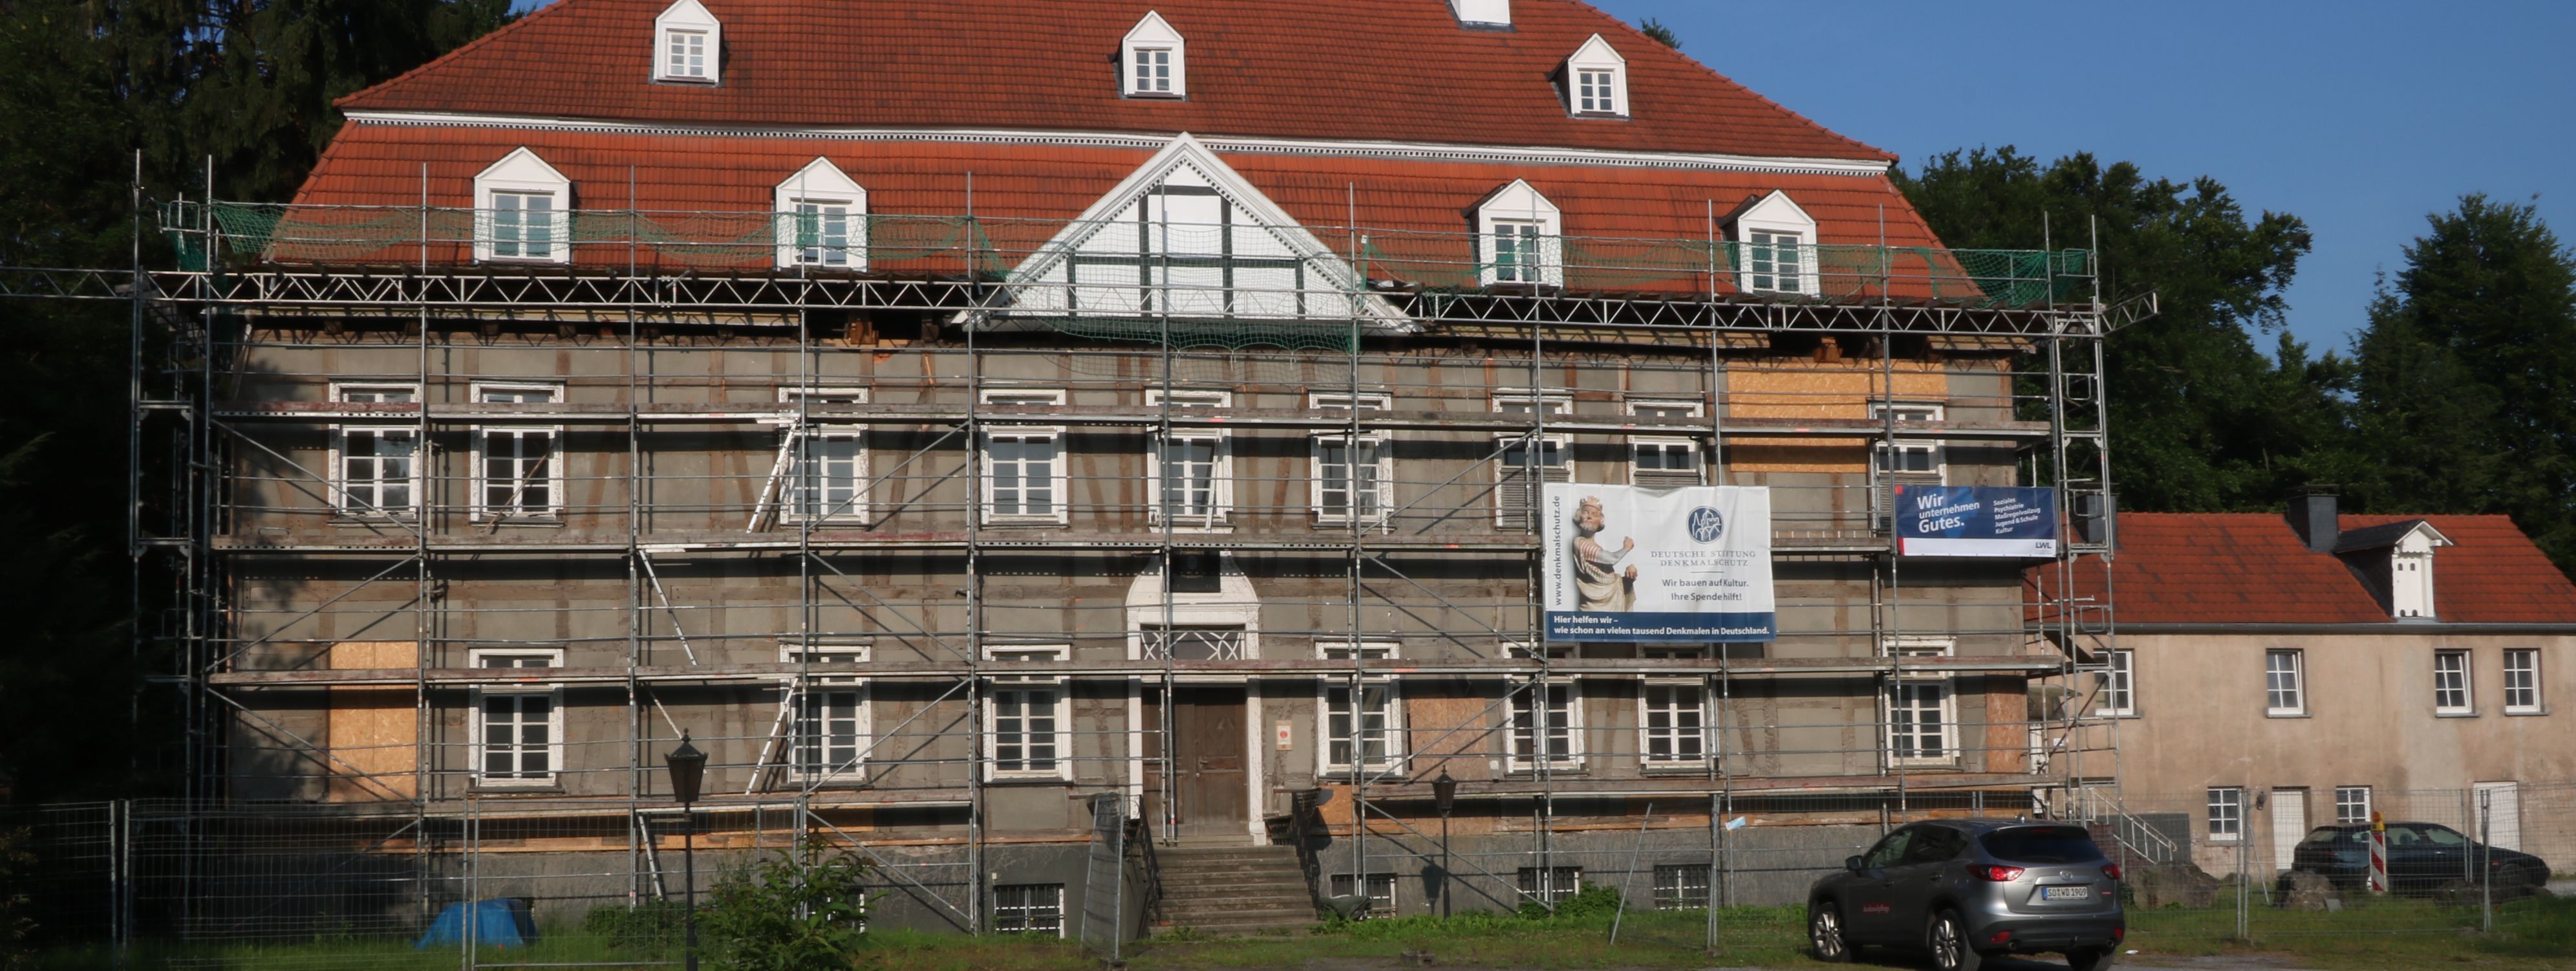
point(1028, 907)
point(481, 508)
point(801, 687)
point(1548, 885)
point(1688, 881)
point(2524, 697)
point(794, 433)
point(1896, 696)
point(1586, 99)
point(1379, 903)
point(1524, 688)
point(1221, 465)
point(1638, 474)
point(1908, 412)
point(2352, 805)
point(521, 173)
point(1060, 479)
point(2285, 682)
point(2223, 810)
point(821, 184)
point(1393, 730)
point(1646, 711)
point(553, 693)
point(1772, 221)
point(1153, 35)
point(340, 489)
point(687, 17)
point(2119, 698)
point(1509, 514)
point(1523, 214)
point(1382, 517)
point(1063, 711)
point(2467, 688)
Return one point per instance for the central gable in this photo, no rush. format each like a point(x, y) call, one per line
point(1187, 239)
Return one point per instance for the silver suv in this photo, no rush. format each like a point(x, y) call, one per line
point(1966, 889)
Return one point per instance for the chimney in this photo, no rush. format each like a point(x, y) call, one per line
point(1482, 13)
point(2313, 517)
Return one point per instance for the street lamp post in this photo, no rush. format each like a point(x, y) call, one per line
point(687, 766)
point(1444, 796)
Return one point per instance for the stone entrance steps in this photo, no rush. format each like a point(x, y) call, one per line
point(1226, 890)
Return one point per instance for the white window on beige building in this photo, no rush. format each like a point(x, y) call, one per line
point(2119, 696)
point(1922, 714)
point(1192, 475)
point(1024, 465)
point(1351, 475)
point(517, 728)
point(2352, 805)
point(2522, 681)
point(828, 739)
point(2285, 688)
point(1362, 724)
point(2226, 810)
point(375, 471)
point(1663, 462)
point(1672, 714)
point(517, 473)
point(826, 473)
point(1027, 725)
point(2451, 694)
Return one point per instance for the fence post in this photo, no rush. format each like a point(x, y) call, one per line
point(1628, 880)
point(2244, 880)
point(2486, 860)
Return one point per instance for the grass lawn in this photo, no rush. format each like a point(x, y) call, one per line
point(2387, 936)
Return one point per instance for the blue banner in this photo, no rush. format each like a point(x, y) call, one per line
point(2000, 521)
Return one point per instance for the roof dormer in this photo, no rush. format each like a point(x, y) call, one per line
point(1775, 246)
point(1519, 238)
point(1596, 81)
point(688, 44)
point(1482, 13)
point(2397, 559)
point(522, 211)
point(1153, 60)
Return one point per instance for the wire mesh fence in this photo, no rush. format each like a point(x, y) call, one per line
point(515, 882)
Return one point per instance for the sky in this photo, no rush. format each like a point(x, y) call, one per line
point(2360, 117)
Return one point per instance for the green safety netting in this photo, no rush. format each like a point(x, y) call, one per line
point(1442, 264)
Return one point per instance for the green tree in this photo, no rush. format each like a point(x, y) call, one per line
point(88, 85)
point(2466, 372)
point(2200, 417)
point(1661, 34)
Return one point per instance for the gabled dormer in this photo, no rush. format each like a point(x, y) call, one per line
point(1488, 14)
point(522, 211)
point(688, 44)
point(1596, 81)
point(1520, 238)
point(822, 219)
point(1775, 246)
point(2396, 561)
point(1154, 60)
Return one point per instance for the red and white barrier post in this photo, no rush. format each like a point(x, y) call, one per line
point(2378, 853)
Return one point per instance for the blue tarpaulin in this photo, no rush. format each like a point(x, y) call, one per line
point(499, 922)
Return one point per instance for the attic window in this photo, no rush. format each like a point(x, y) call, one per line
point(523, 211)
point(822, 219)
point(687, 44)
point(1596, 81)
point(1775, 247)
point(1520, 235)
point(1155, 60)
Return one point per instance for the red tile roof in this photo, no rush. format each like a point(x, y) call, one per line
point(1411, 210)
point(2250, 568)
point(1372, 70)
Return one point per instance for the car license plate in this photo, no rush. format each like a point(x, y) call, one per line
point(2065, 893)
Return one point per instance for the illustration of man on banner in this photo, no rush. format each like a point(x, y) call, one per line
point(1598, 584)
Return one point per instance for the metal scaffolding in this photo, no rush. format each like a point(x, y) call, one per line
point(229, 310)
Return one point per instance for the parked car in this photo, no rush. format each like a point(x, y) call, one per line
point(2423, 858)
point(1967, 889)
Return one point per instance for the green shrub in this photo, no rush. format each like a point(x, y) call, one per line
point(780, 916)
point(648, 928)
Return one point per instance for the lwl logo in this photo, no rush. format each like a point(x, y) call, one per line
point(1706, 525)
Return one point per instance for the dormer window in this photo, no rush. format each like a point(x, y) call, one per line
point(687, 44)
point(1775, 247)
point(1155, 60)
point(822, 219)
point(1521, 236)
point(1596, 80)
point(523, 211)
point(2410, 573)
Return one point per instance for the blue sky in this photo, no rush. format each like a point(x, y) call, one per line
point(2359, 117)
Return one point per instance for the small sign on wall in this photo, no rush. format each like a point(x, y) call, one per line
point(1283, 735)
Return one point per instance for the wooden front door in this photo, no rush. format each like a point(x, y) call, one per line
point(1209, 771)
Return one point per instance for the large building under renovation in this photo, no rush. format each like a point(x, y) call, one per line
point(991, 429)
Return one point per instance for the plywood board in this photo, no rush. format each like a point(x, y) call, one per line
point(375, 731)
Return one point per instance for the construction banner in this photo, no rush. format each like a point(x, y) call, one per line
point(1632, 564)
point(1976, 521)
